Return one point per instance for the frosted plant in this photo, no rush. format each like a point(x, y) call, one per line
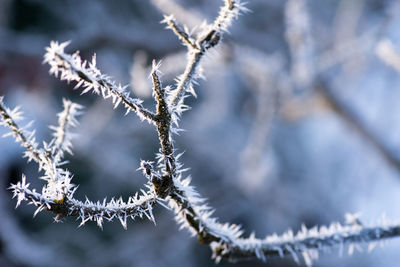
point(166, 184)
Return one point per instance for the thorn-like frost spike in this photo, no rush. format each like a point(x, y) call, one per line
point(122, 219)
point(155, 67)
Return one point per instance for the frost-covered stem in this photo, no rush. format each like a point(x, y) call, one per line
point(105, 84)
point(163, 122)
point(187, 77)
point(228, 11)
point(192, 218)
point(167, 148)
point(226, 240)
point(62, 136)
point(159, 92)
point(62, 126)
point(72, 69)
point(253, 248)
point(209, 38)
point(182, 35)
point(19, 135)
point(88, 211)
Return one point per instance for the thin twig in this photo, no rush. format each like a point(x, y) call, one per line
point(181, 33)
point(72, 68)
point(62, 135)
point(88, 210)
point(8, 121)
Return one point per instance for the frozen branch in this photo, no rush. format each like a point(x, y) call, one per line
point(227, 242)
point(27, 139)
point(162, 182)
point(71, 68)
point(62, 136)
point(208, 38)
point(136, 206)
point(159, 92)
point(182, 33)
point(306, 243)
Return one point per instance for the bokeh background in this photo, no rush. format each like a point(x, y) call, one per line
point(297, 122)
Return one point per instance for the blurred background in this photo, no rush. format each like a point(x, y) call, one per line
point(296, 122)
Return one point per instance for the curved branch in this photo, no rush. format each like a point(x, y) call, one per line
point(88, 211)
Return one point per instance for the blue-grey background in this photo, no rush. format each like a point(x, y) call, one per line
point(283, 132)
